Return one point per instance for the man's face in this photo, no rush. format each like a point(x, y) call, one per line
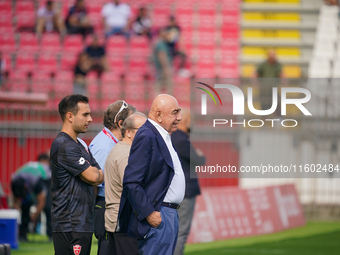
point(171, 116)
point(82, 119)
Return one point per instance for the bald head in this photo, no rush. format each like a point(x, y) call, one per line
point(271, 56)
point(166, 112)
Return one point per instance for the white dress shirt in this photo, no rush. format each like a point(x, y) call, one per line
point(176, 190)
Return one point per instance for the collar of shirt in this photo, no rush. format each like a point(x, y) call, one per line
point(165, 135)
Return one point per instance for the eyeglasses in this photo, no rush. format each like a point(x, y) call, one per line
point(124, 105)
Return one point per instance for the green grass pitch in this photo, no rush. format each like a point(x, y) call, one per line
point(316, 238)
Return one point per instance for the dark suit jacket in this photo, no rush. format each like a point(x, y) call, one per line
point(187, 154)
point(147, 178)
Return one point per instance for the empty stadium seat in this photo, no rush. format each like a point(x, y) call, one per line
point(25, 21)
point(7, 42)
point(139, 45)
point(68, 61)
point(6, 7)
point(6, 25)
point(24, 7)
point(28, 42)
point(50, 42)
point(116, 64)
point(116, 45)
point(47, 62)
point(73, 44)
point(25, 62)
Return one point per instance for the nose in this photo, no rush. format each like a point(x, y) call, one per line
point(179, 117)
point(90, 118)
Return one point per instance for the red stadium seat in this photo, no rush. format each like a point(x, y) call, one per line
point(25, 21)
point(116, 45)
point(47, 62)
point(73, 43)
point(42, 82)
point(28, 42)
point(138, 66)
point(7, 42)
point(50, 42)
point(6, 22)
point(139, 45)
point(25, 62)
point(24, 6)
point(207, 7)
point(6, 7)
point(68, 61)
point(116, 64)
point(94, 7)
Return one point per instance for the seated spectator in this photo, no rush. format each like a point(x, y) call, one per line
point(116, 17)
point(80, 71)
point(77, 21)
point(163, 63)
point(96, 53)
point(142, 24)
point(174, 31)
point(49, 20)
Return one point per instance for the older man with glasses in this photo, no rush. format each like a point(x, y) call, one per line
point(115, 165)
point(100, 148)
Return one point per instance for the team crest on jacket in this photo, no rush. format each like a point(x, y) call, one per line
point(76, 249)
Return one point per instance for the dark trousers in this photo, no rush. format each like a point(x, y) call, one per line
point(99, 226)
point(25, 219)
point(121, 244)
point(72, 243)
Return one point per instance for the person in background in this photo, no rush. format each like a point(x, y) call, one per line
point(163, 63)
point(154, 182)
point(81, 69)
point(114, 173)
point(49, 20)
point(187, 154)
point(100, 147)
point(3, 68)
point(77, 21)
point(116, 18)
point(97, 56)
point(142, 24)
point(174, 43)
point(75, 173)
point(29, 188)
point(44, 159)
point(269, 72)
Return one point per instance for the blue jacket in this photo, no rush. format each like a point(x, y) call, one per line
point(147, 178)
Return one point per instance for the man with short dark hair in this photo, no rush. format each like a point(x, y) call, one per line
point(114, 173)
point(74, 174)
point(100, 147)
point(154, 183)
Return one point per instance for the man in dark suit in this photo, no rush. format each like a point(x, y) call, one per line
point(187, 153)
point(154, 182)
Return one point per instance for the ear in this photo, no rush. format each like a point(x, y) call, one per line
point(120, 124)
point(159, 116)
point(128, 133)
point(69, 117)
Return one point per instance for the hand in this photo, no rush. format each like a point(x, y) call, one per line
point(199, 152)
point(34, 217)
point(154, 219)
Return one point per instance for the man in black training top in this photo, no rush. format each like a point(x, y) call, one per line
point(74, 175)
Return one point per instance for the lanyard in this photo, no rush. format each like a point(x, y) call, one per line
point(109, 135)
